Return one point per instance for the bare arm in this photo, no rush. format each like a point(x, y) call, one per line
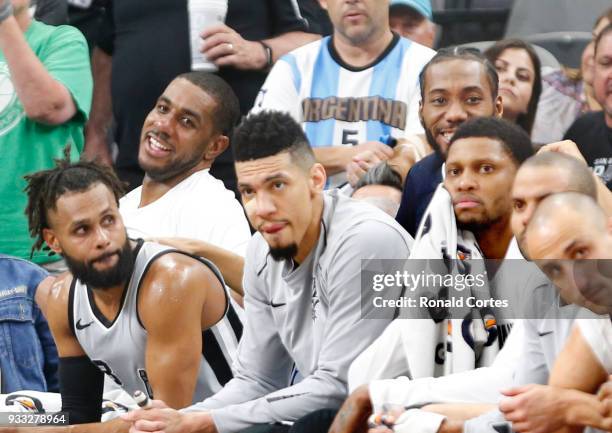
point(231, 265)
point(44, 99)
point(226, 47)
point(96, 130)
point(179, 297)
point(286, 42)
point(336, 158)
point(568, 147)
point(460, 411)
point(577, 369)
point(354, 412)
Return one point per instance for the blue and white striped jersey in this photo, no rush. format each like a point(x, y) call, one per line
point(338, 104)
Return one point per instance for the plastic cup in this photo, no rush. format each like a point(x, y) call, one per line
point(203, 14)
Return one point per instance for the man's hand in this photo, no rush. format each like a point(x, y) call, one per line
point(605, 396)
point(359, 166)
point(380, 150)
point(354, 413)
point(160, 418)
point(568, 147)
point(534, 408)
point(225, 47)
point(367, 155)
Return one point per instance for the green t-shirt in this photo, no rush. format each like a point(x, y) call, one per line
point(27, 146)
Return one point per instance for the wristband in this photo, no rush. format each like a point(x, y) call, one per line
point(268, 51)
point(6, 11)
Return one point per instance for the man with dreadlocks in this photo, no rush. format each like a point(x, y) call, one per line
point(149, 317)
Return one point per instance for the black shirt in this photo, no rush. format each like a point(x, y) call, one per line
point(594, 139)
point(149, 42)
point(421, 183)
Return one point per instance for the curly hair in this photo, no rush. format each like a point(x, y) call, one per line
point(45, 187)
point(269, 133)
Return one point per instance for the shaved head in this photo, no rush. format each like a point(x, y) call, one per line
point(578, 176)
point(540, 176)
point(576, 207)
point(570, 239)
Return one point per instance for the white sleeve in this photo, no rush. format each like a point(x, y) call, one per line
point(280, 91)
point(413, 122)
point(383, 359)
point(598, 335)
point(481, 385)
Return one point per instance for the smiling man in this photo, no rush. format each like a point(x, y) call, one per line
point(133, 310)
point(458, 84)
point(183, 134)
point(302, 284)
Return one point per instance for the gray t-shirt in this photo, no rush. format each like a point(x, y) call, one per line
point(309, 316)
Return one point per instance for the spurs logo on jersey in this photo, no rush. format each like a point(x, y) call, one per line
point(118, 348)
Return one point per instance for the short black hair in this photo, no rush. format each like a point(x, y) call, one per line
point(514, 138)
point(462, 53)
point(269, 133)
point(607, 29)
point(45, 187)
point(227, 109)
point(381, 174)
point(492, 53)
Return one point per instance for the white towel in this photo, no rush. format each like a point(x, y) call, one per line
point(470, 340)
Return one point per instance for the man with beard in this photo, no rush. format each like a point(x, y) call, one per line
point(556, 169)
point(456, 85)
point(137, 311)
point(302, 287)
point(593, 131)
point(182, 136)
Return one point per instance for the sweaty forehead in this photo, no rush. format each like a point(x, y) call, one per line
point(456, 75)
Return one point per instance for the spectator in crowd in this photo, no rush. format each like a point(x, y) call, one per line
point(302, 287)
point(352, 92)
point(520, 80)
point(412, 19)
point(29, 359)
point(458, 84)
point(152, 302)
point(551, 172)
point(188, 128)
point(143, 62)
point(593, 131)
point(382, 187)
point(46, 99)
point(567, 93)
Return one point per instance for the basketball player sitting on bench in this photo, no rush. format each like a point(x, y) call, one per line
point(148, 316)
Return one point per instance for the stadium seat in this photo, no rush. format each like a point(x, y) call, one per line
point(530, 17)
point(567, 47)
point(546, 57)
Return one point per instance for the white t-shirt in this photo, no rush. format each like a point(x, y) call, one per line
point(598, 335)
point(340, 105)
point(200, 207)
